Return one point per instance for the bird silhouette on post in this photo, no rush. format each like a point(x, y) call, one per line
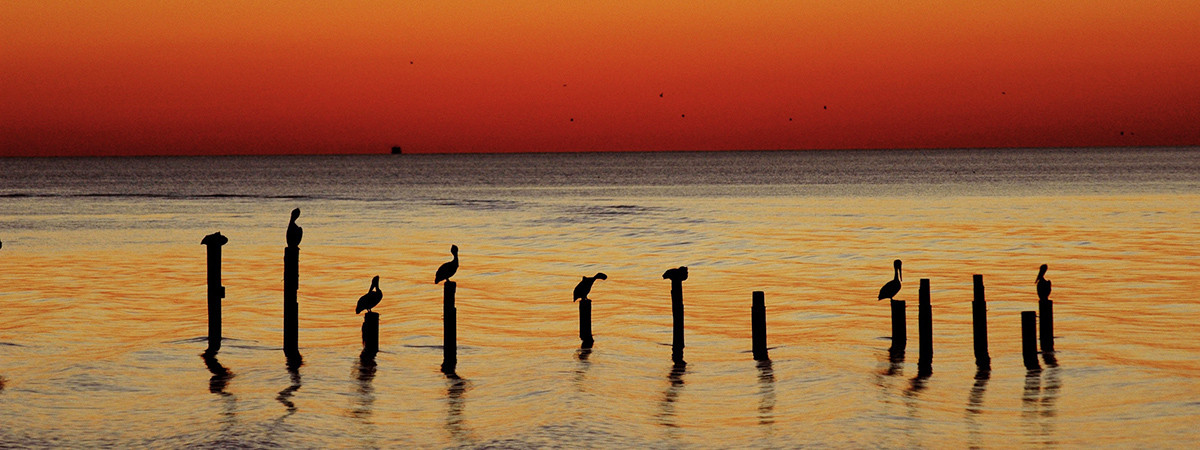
point(892, 288)
point(1043, 285)
point(371, 298)
point(677, 274)
point(294, 232)
point(448, 269)
point(585, 286)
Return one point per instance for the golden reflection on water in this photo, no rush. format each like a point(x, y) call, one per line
point(106, 322)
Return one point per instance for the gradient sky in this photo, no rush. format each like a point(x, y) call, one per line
point(253, 77)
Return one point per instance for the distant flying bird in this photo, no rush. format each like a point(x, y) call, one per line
point(447, 270)
point(660, 94)
point(371, 298)
point(892, 288)
point(1043, 285)
point(294, 232)
point(677, 274)
point(585, 286)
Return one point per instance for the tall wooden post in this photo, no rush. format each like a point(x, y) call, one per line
point(979, 320)
point(291, 308)
point(1029, 340)
point(925, 324)
point(1046, 318)
point(899, 327)
point(677, 322)
point(370, 333)
point(450, 327)
point(216, 291)
point(585, 323)
point(758, 325)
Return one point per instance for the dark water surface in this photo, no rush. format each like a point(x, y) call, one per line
point(103, 312)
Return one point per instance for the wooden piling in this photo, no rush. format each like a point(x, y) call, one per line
point(677, 321)
point(758, 325)
point(450, 327)
point(370, 333)
point(899, 328)
point(979, 322)
point(585, 323)
point(1029, 340)
point(925, 324)
point(1046, 319)
point(291, 308)
point(216, 291)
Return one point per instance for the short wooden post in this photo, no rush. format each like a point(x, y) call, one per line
point(979, 320)
point(677, 321)
point(585, 323)
point(291, 308)
point(758, 325)
point(899, 328)
point(216, 291)
point(1029, 339)
point(1046, 318)
point(925, 323)
point(450, 327)
point(370, 333)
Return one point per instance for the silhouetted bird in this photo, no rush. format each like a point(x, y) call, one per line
point(294, 232)
point(447, 270)
point(214, 239)
point(1043, 285)
point(585, 286)
point(371, 298)
point(892, 288)
point(660, 94)
point(676, 274)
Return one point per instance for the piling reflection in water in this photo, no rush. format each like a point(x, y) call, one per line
point(1038, 405)
point(766, 390)
point(975, 406)
point(666, 415)
point(455, 419)
point(364, 374)
point(285, 396)
point(220, 375)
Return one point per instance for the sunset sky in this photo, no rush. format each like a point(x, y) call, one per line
point(255, 77)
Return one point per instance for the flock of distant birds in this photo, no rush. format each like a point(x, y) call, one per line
point(374, 295)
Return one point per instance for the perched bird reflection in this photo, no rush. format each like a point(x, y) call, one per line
point(371, 298)
point(294, 232)
point(892, 288)
point(1043, 285)
point(585, 286)
point(448, 269)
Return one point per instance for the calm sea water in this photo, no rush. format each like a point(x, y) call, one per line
point(103, 310)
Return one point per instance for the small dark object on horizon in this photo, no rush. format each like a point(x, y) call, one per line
point(825, 107)
point(660, 94)
point(447, 269)
point(371, 298)
point(397, 151)
point(585, 286)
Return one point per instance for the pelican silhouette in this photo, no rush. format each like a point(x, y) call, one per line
point(1043, 285)
point(371, 298)
point(447, 270)
point(677, 274)
point(892, 288)
point(585, 286)
point(294, 232)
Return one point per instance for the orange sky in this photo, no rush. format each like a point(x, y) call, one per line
point(188, 77)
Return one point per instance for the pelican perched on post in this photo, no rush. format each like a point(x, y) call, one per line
point(447, 270)
point(1043, 285)
point(294, 232)
point(585, 286)
point(892, 288)
point(371, 298)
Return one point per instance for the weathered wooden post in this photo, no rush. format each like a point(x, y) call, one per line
point(758, 325)
point(216, 291)
point(291, 308)
point(677, 276)
point(450, 327)
point(979, 320)
point(925, 324)
point(370, 333)
point(899, 328)
point(1046, 318)
point(585, 323)
point(1029, 340)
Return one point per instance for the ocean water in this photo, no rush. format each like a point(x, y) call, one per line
point(103, 299)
